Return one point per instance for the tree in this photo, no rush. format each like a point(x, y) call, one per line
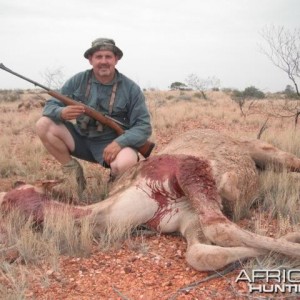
point(253, 92)
point(202, 85)
point(283, 49)
point(289, 92)
point(177, 85)
point(249, 96)
point(54, 78)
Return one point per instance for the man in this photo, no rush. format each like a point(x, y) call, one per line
point(108, 91)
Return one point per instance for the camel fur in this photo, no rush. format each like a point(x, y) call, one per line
point(192, 186)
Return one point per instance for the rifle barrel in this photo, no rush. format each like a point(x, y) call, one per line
point(23, 77)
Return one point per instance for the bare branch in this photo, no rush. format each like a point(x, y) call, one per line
point(202, 85)
point(283, 49)
point(263, 128)
point(54, 78)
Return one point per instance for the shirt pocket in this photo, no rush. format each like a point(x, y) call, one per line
point(120, 111)
point(78, 95)
point(120, 105)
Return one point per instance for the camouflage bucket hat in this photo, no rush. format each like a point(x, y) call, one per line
point(103, 44)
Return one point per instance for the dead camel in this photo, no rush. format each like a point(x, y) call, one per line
point(191, 187)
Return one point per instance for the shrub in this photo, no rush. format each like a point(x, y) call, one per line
point(253, 92)
point(170, 97)
point(289, 92)
point(177, 85)
point(198, 95)
point(237, 94)
point(249, 92)
point(10, 95)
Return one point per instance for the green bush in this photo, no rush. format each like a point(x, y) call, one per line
point(289, 92)
point(178, 86)
point(249, 92)
point(237, 94)
point(253, 92)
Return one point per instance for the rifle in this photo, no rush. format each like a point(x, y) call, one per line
point(145, 149)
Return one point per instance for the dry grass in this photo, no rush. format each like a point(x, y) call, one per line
point(185, 106)
point(280, 194)
point(112, 236)
point(13, 285)
point(22, 157)
point(68, 235)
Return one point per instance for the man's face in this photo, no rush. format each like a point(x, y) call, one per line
point(104, 62)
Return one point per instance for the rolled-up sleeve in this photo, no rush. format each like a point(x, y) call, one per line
point(53, 107)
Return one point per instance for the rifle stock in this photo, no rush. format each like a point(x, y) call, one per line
point(145, 149)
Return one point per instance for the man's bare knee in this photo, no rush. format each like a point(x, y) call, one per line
point(42, 126)
point(56, 138)
point(126, 158)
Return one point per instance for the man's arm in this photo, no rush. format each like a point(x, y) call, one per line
point(139, 122)
point(53, 108)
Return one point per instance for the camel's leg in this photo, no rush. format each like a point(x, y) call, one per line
point(206, 257)
point(228, 187)
point(265, 154)
point(209, 258)
point(195, 179)
point(291, 237)
point(233, 205)
point(237, 194)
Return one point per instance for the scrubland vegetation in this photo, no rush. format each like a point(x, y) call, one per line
point(23, 158)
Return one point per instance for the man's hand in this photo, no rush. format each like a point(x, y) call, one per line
point(71, 112)
point(111, 151)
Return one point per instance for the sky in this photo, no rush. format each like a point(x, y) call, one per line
point(163, 41)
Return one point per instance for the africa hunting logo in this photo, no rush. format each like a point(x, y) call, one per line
point(271, 281)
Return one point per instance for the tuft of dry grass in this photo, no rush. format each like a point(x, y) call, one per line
point(113, 236)
point(98, 188)
point(279, 193)
point(68, 235)
point(60, 233)
point(14, 281)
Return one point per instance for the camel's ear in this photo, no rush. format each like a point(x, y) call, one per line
point(2, 194)
point(42, 186)
point(18, 183)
